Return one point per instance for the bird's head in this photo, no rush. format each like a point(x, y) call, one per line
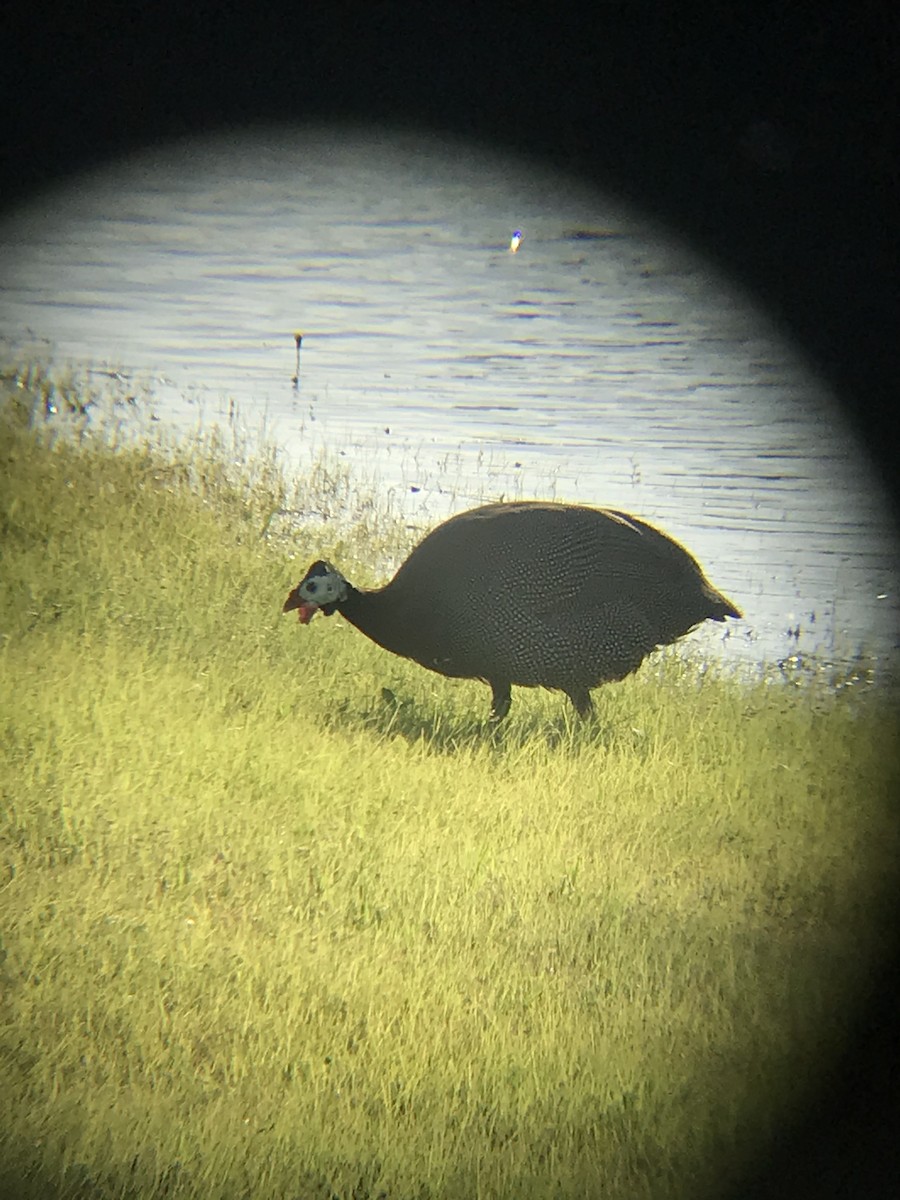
point(322, 587)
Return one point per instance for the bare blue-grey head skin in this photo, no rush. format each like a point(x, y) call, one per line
point(321, 589)
point(534, 594)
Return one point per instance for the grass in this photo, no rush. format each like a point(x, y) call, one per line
point(268, 932)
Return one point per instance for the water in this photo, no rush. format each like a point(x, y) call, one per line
point(602, 363)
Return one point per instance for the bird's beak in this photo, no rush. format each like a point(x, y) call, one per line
point(306, 610)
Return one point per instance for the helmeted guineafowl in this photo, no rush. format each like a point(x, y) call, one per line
point(537, 594)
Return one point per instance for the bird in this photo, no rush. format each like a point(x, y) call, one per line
point(528, 593)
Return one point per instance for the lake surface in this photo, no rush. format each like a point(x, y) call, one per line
point(602, 363)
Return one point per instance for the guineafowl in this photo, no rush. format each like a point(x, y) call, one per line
point(541, 595)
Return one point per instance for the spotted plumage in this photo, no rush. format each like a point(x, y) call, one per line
point(535, 594)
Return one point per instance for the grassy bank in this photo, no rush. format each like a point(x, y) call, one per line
point(267, 933)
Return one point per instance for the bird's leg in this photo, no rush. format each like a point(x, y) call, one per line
point(500, 700)
point(581, 698)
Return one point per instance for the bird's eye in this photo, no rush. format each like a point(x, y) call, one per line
point(311, 588)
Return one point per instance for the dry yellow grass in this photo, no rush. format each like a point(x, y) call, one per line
point(268, 934)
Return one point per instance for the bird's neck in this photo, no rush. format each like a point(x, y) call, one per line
point(380, 618)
